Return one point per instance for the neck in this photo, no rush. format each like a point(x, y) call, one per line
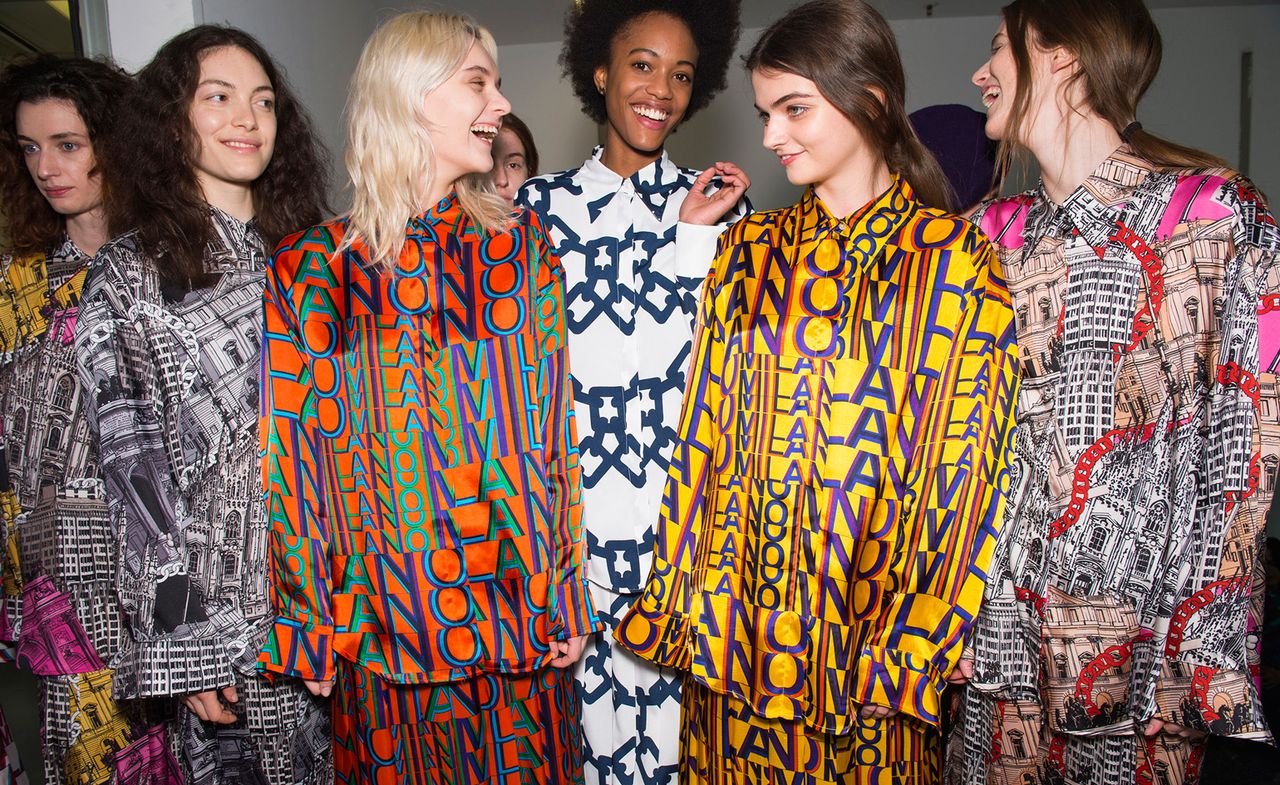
point(1071, 150)
point(845, 194)
point(234, 199)
point(436, 193)
point(623, 159)
point(88, 231)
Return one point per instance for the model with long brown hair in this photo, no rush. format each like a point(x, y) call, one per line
point(1115, 631)
point(828, 512)
point(57, 549)
point(216, 161)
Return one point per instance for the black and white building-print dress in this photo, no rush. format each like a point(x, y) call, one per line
point(173, 380)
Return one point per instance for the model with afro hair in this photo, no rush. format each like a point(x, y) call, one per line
point(590, 30)
point(641, 68)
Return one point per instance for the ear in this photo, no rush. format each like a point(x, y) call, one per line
point(1062, 59)
point(601, 78)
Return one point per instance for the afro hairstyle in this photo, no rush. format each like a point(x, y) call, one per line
point(591, 27)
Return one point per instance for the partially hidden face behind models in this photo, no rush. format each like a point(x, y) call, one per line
point(816, 143)
point(647, 86)
point(59, 155)
point(462, 117)
point(510, 164)
point(233, 114)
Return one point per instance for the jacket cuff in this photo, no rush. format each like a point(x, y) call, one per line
point(171, 666)
point(573, 613)
point(656, 635)
point(899, 680)
point(303, 651)
point(1220, 703)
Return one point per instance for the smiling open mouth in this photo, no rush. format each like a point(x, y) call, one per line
point(485, 131)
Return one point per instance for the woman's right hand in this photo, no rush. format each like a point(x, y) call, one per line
point(962, 673)
point(207, 707)
point(320, 689)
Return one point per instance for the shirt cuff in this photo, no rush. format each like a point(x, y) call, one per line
point(696, 248)
point(573, 613)
point(299, 650)
point(172, 666)
point(900, 680)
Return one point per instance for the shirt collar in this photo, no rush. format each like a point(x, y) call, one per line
point(1093, 207)
point(892, 207)
point(447, 211)
point(654, 184)
point(240, 240)
point(876, 221)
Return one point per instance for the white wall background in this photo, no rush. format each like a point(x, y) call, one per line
point(1195, 100)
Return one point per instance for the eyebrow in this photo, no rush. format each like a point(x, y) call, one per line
point(229, 86)
point(654, 54)
point(482, 69)
point(788, 97)
point(56, 137)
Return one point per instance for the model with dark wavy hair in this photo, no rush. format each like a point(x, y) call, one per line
point(217, 163)
point(155, 189)
point(57, 554)
point(642, 68)
point(32, 221)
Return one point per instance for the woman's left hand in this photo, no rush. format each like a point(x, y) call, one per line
point(567, 652)
point(699, 208)
point(873, 712)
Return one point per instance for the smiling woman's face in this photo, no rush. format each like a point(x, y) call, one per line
point(234, 116)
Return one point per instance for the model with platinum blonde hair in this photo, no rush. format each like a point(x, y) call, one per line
point(390, 151)
point(419, 450)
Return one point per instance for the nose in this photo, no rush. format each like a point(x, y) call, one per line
point(773, 136)
point(47, 165)
point(980, 76)
point(500, 178)
point(659, 86)
point(245, 117)
point(500, 104)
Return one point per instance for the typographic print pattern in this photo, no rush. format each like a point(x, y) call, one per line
point(724, 742)
point(420, 456)
point(503, 729)
point(834, 499)
point(57, 552)
point(632, 303)
point(173, 379)
point(1123, 589)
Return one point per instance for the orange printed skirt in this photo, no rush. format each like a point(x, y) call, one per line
point(724, 742)
point(499, 729)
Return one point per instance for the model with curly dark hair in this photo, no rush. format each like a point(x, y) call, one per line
point(218, 164)
point(34, 216)
point(54, 115)
point(640, 67)
point(157, 187)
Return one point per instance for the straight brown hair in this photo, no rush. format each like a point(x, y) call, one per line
point(846, 48)
point(1118, 50)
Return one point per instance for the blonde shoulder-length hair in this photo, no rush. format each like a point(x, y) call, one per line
point(389, 157)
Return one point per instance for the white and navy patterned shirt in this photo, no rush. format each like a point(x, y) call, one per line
point(631, 306)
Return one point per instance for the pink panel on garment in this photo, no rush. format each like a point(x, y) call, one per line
point(148, 760)
point(1193, 200)
point(53, 642)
